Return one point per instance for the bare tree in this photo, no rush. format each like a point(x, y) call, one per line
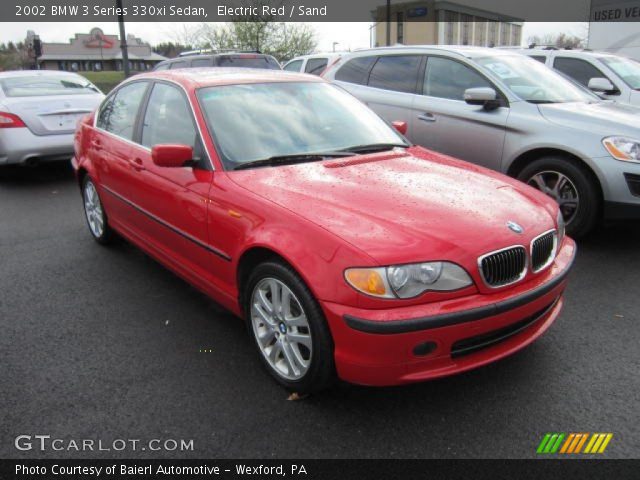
point(557, 40)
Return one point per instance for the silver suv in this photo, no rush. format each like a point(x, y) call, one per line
point(509, 113)
point(611, 76)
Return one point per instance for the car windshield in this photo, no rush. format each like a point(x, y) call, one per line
point(532, 81)
point(628, 70)
point(43, 85)
point(259, 121)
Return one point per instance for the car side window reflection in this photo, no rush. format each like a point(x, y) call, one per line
point(168, 118)
point(446, 78)
point(118, 116)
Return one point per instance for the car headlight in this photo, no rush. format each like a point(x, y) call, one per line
point(623, 148)
point(407, 281)
point(561, 227)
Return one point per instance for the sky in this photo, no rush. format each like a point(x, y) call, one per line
point(348, 35)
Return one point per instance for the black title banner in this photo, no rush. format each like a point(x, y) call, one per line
point(320, 469)
point(315, 10)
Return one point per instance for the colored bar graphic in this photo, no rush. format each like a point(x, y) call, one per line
point(572, 443)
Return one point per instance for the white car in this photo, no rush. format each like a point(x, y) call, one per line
point(39, 111)
point(611, 76)
point(313, 64)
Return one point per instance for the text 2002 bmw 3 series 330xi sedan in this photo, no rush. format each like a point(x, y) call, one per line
point(349, 252)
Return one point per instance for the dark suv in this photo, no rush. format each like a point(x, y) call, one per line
point(232, 59)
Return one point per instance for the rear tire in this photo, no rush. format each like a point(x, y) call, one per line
point(94, 213)
point(568, 182)
point(288, 328)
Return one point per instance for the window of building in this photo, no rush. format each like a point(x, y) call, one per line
point(493, 34)
point(445, 78)
point(505, 32)
point(580, 70)
point(356, 70)
point(293, 66)
point(467, 27)
point(400, 26)
point(168, 118)
point(480, 32)
point(118, 115)
point(398, 73)
point(450, 27)
point(516, 32)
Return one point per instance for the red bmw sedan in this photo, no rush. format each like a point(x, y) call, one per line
point(350, 253)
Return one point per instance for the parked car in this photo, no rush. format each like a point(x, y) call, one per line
point(345, 249)
point(229, 59)
point(502, 110)
point(314, 64)
point(39, 111)
point(611, 76)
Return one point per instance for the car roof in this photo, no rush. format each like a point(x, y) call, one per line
point(212, 76)
point(36, 73)
point(578, 52)
point(463, 50)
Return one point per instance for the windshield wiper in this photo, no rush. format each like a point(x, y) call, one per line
point(291, 159)
point(373, 147)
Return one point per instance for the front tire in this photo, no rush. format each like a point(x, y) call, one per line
point(288, 328)
point(94, 213)
point(571, 185)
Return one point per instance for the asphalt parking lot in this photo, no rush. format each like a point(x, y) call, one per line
point(104, 343)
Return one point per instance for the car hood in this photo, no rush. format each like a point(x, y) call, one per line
point(603, 118)
point(406, 206)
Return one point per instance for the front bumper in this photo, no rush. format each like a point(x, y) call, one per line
point(410, 344)
point(620, 183)
point(19, 145)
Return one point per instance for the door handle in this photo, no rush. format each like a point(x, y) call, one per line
point(137, 164)
point(96, 144)
point(427, 117)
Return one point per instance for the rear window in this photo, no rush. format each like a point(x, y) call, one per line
point(44, 85)
point(315, 66)
point(356, 70)
point(248, 61)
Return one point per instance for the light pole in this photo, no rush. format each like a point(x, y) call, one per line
point(123, 39)
point(388, 22)
point(334, 46)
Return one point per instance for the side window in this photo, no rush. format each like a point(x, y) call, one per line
point(120, 114)
point(201, 62)
point(168, 118)
point(580, 70)
point(162, 66)
point(398, 73)
point(105, 113)
point(293, 66)
point(540, 58)
point(445, 78)
point(181, 64)
point(356, 70)
point(315, 66)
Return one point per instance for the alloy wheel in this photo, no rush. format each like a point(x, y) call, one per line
point(559, 187)
point(281, 328)
point(93, 210)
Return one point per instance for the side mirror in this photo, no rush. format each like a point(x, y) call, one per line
point(485, 96)
point(601, 84)
point(166, 155)
point(400, 127)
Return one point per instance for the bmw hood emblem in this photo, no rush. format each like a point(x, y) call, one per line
point(514, 227)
